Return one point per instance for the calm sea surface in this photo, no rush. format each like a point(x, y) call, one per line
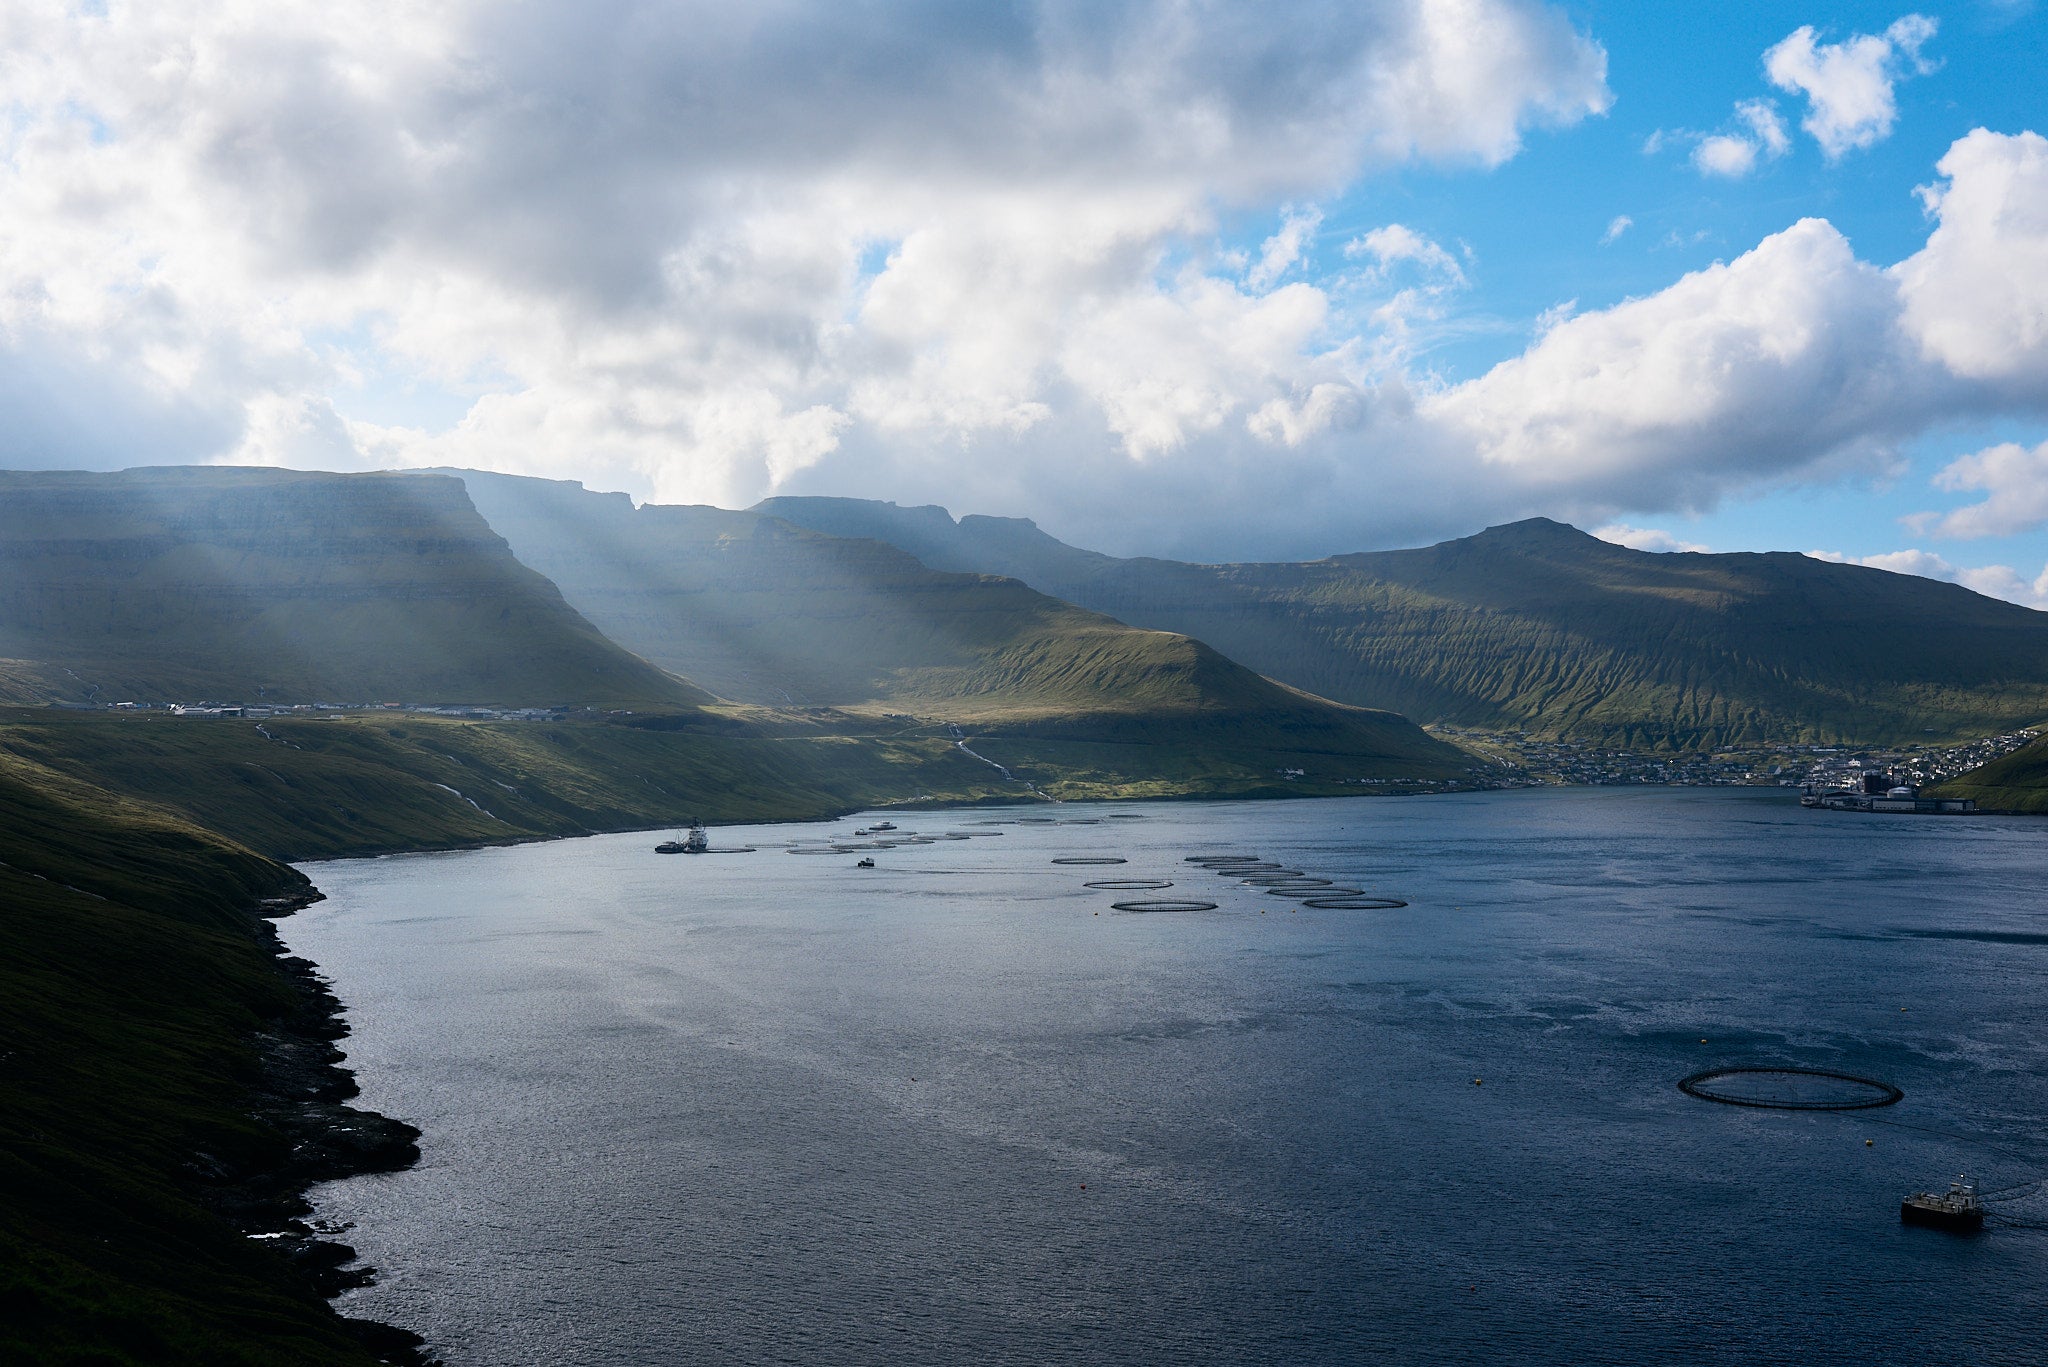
point(773, 1109)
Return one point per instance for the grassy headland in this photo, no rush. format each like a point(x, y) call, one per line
point(2018, 782)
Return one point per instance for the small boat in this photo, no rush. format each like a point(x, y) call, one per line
point(696, 842)
point(1959, 1208)
point(881, 826)
point(865, 864)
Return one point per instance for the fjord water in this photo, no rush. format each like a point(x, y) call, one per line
point(763, 1108)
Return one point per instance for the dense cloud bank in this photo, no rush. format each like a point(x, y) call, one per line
point(930, 252)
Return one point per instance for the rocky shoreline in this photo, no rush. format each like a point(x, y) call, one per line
point(300, 1093)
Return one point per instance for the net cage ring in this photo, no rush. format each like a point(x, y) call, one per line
point(1164, 904)
point(1130, 884)
point(1353, 903)
point(1217, 861)
point(1795, 1089)
point(1253, 870)
point(1093, 859)
point(1309, 894)
point(1284, 879)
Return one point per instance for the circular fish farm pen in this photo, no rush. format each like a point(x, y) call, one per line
point(1353, 903)
point(1130, 884)
point(1220, 861)
point(1327, 893)
point(1285, 879)
point(1164, 904)
point(1093, 859)
point(1790, 1089)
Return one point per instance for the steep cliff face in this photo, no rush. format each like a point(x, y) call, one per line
point(283, 586)
point(761, 611)
point(1537, 625)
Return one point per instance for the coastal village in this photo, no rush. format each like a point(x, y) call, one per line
point(1522, 760)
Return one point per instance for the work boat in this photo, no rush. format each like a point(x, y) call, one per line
point(696, 842)
point(1959, 1208)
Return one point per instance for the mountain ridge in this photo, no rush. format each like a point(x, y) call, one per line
point(1538, 626)
point(763, 611)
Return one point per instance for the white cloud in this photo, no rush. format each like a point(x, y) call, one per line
point(1395, 244)
point(2016, 482)
point(1761, 116)
point(1976, 297)
point(1734, 155)
point(1763, 365)
point(1849, 85)
point(1644, 538)
point(1616, 226)
point(1282, 251)
point(1725, 155)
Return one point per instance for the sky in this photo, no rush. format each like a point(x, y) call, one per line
point(1179, 277)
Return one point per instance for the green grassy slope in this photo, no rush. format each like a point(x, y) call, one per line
point(2017, 782)
point(282, 586)
point(373, 783)
point(764, 612)
point(130, 985)
point(1539, 626)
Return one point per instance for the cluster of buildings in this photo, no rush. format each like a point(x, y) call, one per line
point(1519, 759)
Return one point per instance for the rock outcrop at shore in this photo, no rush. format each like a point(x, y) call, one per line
point(300, 1093)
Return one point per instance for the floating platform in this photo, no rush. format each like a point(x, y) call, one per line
point(1958, 1210)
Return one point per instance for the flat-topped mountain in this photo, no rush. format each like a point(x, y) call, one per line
point(1537, 625)
point(761, 611)
point(280, 586)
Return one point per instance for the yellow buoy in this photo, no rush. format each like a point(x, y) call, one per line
point(1870, 1143)
point(1478, 1082)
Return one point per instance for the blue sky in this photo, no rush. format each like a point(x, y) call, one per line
point(1186, 277)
